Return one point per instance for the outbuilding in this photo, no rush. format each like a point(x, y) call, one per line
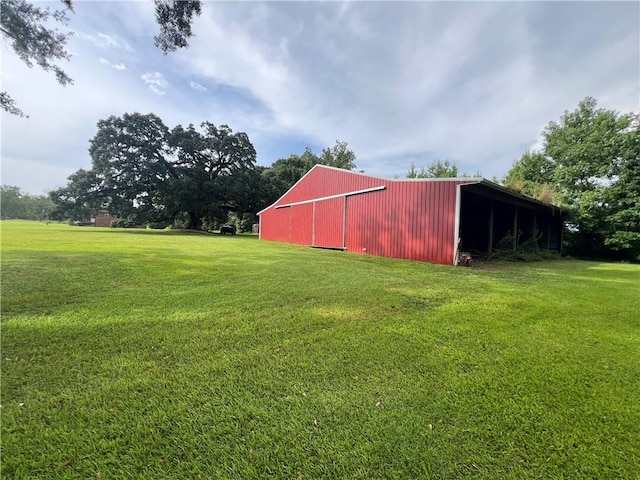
point(430, 220)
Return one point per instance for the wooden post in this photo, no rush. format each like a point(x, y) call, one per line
point(535, 227)
point(490, 228)
point(561, 236)
point(515, 227)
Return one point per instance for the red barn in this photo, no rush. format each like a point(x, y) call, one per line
point(416, 219)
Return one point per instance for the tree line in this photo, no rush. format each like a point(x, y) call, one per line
point(193, 178)
point(14, 203)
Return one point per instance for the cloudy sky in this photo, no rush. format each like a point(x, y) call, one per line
point(401, 82)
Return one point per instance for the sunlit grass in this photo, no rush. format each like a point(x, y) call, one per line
point(148, 354)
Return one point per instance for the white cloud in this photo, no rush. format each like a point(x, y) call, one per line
point(197, 86)
point(475, 83)
point(156, 82)
point(119, 66)
point(105, 41)
point(399, 81)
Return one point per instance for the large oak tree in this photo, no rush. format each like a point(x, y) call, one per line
point(147, 173)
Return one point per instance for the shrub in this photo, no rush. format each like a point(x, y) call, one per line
point(126, 222)
point(527, 251)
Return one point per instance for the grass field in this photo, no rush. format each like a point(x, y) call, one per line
point(152, 354)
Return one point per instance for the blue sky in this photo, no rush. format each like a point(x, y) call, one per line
point(401, 82)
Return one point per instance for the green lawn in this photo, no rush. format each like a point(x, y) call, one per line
point(152, 354)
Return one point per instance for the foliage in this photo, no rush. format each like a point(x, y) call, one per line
point(15, 204)
point(438, 169)
point(147, 173)
point(285, 172)
point(530, 175)
point(247, 193)
point(623, 198)
point(129, 162)
point(338, 156)
point(191, 178)
point(11, 202)
point(166, 355)
point(79, 199)
point(23, 27)
point(125, 222)
point(9, 105)
point(244, 223)
point(589, 162)
point(527, 250)
point(203, 162)
point(175, 18)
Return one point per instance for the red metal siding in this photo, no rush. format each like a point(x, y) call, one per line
point(301, 224)
point(412, 220)
point(323, 182)
point(329, 223)
point(275, 224)
point(408, 219)
point(289, 224)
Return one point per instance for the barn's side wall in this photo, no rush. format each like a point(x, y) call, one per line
point(411, 220)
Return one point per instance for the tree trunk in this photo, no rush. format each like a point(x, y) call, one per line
point(194, 221)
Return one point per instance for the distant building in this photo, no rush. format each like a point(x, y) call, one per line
point(100, 219)
point(103, 219)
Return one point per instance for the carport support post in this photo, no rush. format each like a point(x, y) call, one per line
point(515, 227)
point(490, 246)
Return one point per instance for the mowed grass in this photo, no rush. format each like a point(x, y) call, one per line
point(151, 354)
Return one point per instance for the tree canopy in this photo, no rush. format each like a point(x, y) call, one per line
point(24, 27)
point(202, 161)
point(589, 162)
point(129, 158)
point(437, 169)
point(146, 172)
point(285, 172)
point(175, 18)
point(338, 156)
point(16, 204)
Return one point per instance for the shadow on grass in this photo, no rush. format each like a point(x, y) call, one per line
point(152, 231)
point(64, 281)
